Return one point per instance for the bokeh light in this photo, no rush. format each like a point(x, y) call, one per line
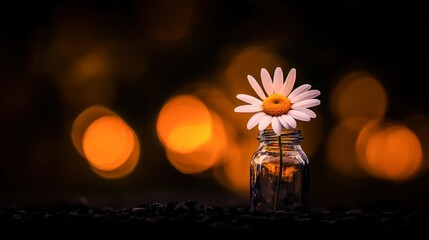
point(233, 171)
point(126, 168)
point(366, 131)
point(84, 120)
point(389, 151)
point(107, 143)
point(193, 136)
point(110, 146)
point(135, 59)
point(184, 124)
point(203, 157)
point(359, 99)
point(359, 95)
point(216, 99)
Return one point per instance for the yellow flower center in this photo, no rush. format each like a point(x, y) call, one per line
point(276, 105)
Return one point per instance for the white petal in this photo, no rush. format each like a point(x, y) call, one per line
point(249, 99)
point(284, 123)
point(289, 82)
point(308, 103)
point(305, 95)
point(277, 126)
point(290, 120)
point(264, 122)
point(297, 114)
point(308, 112)
point(256, 87)
point(278, 80)
point(248, 109)
point(254, 120)
point(266, 81)
point(299, 90)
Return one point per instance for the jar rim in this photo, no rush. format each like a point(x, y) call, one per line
point(287, 135)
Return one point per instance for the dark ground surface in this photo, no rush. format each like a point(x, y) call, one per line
point(188, 219)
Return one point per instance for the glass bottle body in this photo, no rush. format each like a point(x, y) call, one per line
point(288, 190)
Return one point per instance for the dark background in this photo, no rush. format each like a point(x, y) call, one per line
point(324, 40)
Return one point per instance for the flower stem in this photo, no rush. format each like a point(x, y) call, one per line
point(276, 199)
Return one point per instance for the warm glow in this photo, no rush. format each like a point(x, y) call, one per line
point(83, 121)
point(369, 129)
point(359, 95)
point(184, 124)
point(394, 153)
point(108, 142)
point(206, 155)
point(234, 170)
point(389, 151)
point(126, 168)
point(218, 101)
point(287, 172)
point(341, 145)
point(185, 139)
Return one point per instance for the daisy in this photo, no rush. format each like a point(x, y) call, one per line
point(278, 105)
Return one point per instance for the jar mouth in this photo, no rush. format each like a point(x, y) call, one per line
point(293, 135)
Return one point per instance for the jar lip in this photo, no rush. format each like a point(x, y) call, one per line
point(269, 134)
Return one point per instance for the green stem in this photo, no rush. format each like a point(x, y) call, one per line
point(276, 199)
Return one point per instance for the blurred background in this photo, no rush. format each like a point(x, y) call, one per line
point(114, 103)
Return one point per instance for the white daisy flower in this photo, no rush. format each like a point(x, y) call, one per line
point(278, 105)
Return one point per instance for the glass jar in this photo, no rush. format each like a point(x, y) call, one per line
point(293, 187)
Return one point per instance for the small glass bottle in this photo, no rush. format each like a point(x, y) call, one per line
point(265, 172)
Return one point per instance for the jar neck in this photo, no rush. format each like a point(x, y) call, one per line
point(289, 137)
